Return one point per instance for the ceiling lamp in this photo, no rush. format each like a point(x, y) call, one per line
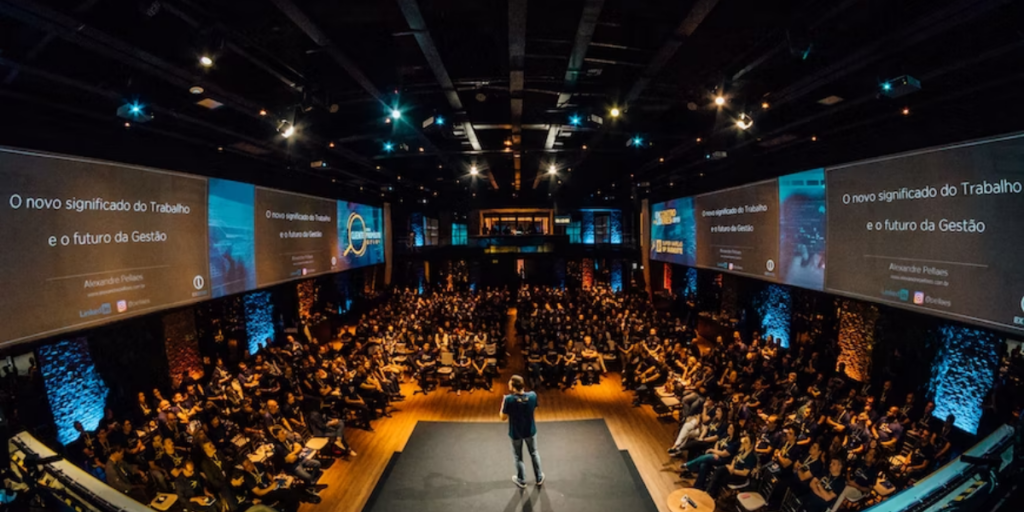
point(286, 129)
point(206, 61)
point(744, 122)
point(615, 112)
point(719, 100)
point(552, 169)
point(473, 170)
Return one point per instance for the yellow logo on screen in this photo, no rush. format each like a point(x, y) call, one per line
point(665, 217)
point(361, 237)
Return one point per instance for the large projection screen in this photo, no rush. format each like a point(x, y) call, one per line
point(89, 242)
point(938, 231)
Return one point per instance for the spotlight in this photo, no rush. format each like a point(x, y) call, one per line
point(206, 61)
point(636, 141)
point(136, 108)
point(906, 111)
point(263, 112)
point(195, 89)
point(698, 140)
point(744, 122)
point(438, 120)
point(552, 169)
point(286, 129)
point(584, 147)
point(764, 105)
point(330, 144)
point(886, 86)
point(389, 146)
point(814, 138)
point(396, 114)
point(387, 120)
point(575, 120)
point(615, 112)
point(127, 125)
point(473, 170)
point(719, 100)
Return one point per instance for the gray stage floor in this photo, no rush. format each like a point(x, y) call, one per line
point(468, 467)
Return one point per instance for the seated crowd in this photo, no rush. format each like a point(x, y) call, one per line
point(749, 410)
point(255, 432)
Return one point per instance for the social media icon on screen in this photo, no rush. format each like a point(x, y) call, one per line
point(105, 308)
point(122, 306)
point(904, 295)
point(770, 265)
point(918, 297)
point(730, 266)
point(303, 271)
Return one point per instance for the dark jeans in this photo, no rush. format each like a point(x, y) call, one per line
point(517, 451)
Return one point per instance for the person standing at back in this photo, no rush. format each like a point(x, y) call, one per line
point(518, 408)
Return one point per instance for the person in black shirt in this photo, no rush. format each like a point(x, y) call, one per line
point(479, 367)
point(462, 376)
point(807, 469)
point(517, 408)
point(192, 493)
point(426, 367)
point(737, 471)
point(257, 487)
point(551, 369)
point(826, 488)
point(862, 479)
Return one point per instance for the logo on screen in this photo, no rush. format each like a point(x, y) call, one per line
point(730, 266)
point(122, 306)
point(198, 282)
point(1022, 303)
point(918, 297)
point(904, 295)
point(657, 246)
point(351, 249)
point(770, 265)
point(105, 308)
point(304, 271)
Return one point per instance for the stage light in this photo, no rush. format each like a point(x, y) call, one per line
point(473, 170)
point(421, 150)
point(719, 100)
point(127, 125)
point(330, 144)
point(615, 112)
point(886, 86)
point(744, 122)
point(206, 61)
point(575, 120)
point(136, 108)
point(552, 169)
point(396, 114)
point(584, 147)
point(438, 120)
point(263, 112)
point(662, 160)
point(698, 140)
point(764, 105)
point(814, 138)
point(286, 129)
point(389, 147)
point(195, 89)
point(636, 141)
point(906, 111)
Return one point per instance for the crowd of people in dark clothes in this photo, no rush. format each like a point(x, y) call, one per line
point(228, 437)
point(748, 409)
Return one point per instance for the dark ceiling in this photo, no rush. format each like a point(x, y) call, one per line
point(507, 78)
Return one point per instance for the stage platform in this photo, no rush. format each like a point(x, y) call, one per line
point(468, 467)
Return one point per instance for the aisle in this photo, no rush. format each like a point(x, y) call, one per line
point(635, 429)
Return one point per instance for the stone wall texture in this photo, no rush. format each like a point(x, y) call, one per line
point(963, 373)
point(856, 337)
point(74, 388)
point(181, 343)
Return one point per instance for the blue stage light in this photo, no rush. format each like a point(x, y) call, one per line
point(637, 141)
point(396, 114)
point(439, 121)
point(389, 147)
point(886, 86)
point(575, 120)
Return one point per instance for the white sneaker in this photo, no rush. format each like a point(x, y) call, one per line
point(519, 483)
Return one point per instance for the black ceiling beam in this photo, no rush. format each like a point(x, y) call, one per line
point(696, 16)
point(584, 35)
point(418, 26)
point(45, 41)
point(516, 63)
point(321, 39)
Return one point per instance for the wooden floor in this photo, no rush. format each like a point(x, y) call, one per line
point(635, 429)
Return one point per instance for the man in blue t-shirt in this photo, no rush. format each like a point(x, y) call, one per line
point(518, 409)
